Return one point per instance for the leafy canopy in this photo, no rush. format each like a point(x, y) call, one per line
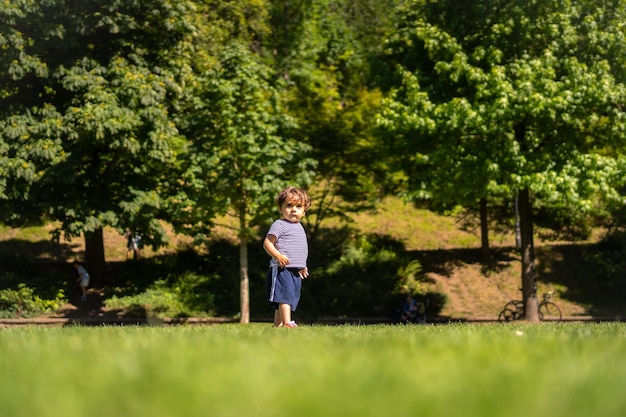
point(86, 93)
point(504, 96)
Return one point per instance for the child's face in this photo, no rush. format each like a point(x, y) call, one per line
point(292, 211)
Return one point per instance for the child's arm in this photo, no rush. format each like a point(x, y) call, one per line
point(269, 244)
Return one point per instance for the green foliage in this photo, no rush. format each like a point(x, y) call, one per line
point(24, 302)
point(326, 55)
point(509, 98)
point(366, 278)
point(86, 99)
point(410, 277)
point(519, 100)
point(243, 154)
point(178, 296)
point(129, 113)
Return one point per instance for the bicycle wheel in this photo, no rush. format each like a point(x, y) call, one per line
point(514, 305)
point(507, 315)
point(517, 307)
point(548, 311)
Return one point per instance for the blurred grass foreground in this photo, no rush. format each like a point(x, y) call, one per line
point(233, 370)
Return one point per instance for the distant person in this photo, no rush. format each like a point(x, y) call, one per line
point(83, 280)
point(133, 244)
point(410, 310)
point(414, 311)
point(286, 243)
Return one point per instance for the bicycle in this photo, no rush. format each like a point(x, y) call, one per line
point(515, 310)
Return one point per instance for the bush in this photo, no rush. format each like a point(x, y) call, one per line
point(23, 302)
point(368, 278)
point(176, 296)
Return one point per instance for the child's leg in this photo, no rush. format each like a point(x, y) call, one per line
point(285, 313)
point(277, 319)
point(83, 291)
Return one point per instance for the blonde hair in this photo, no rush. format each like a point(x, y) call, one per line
point(295, 195)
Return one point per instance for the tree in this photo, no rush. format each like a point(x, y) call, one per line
point(86, 90)
point(513, 97)
point(240, 154)
point(323, 54)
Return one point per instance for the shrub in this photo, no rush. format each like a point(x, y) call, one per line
point(176, 296)
point(367, 279)
point(23, 302)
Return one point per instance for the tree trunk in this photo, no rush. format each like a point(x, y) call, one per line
point(244, 283)
point(94, 257)
point(529, 280)
point(484, 231)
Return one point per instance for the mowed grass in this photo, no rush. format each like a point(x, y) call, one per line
point(254, 370)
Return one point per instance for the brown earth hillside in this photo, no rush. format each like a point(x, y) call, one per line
point(451, 258)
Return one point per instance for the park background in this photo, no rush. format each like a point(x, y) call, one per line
point(458, 152)
point(446, 251)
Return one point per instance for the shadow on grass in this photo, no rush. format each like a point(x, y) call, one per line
point(591, 275)
point(445, 261)
point(44, 251)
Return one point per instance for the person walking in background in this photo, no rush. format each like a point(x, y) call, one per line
point(287, 244)
point(83, 280)
point(133, 244)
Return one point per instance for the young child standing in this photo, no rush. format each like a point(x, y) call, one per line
point(286, 243)
point(83, 280)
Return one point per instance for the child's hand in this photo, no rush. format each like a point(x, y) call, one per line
point(304, 273)
point(283, 261)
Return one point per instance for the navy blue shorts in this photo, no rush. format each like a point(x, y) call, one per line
point(284, 286)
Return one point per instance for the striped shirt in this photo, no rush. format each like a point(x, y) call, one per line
point(291, 241)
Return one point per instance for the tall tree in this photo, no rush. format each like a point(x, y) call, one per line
point(241, 152)
point(85, 95)
point(513, 97)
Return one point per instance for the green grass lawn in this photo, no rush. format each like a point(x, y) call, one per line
point(254, 370)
